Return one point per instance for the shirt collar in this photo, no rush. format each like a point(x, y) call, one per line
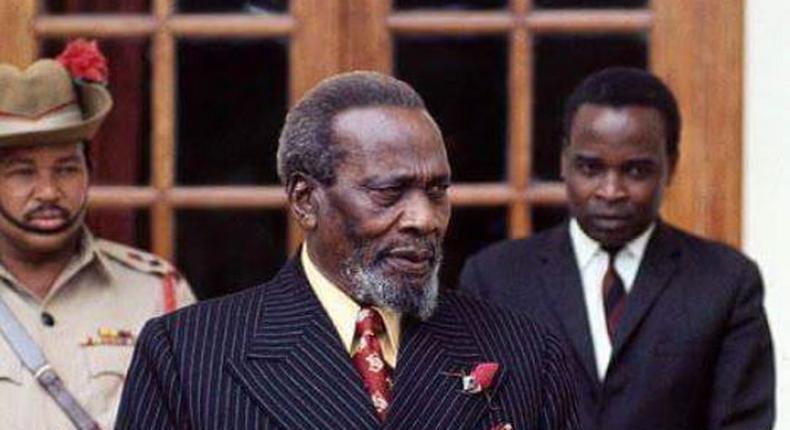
point(342, 309)
point(638, 245)
point(89, 252)
point(583, 246)
point(586, 248)
point(86, 254)
point(8, 277)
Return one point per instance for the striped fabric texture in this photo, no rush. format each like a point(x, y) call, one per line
point(613, 292)
point(269, 358)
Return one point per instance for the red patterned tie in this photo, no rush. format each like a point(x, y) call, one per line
point(613, 294)
point(369, 361)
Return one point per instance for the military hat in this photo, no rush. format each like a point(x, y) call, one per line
point(54, 101)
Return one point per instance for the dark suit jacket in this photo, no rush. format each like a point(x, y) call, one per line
point(270, 358)
point(692, 350)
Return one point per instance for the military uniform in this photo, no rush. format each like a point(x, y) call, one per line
point(86, 326)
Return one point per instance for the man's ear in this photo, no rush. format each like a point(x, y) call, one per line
point(303, 200)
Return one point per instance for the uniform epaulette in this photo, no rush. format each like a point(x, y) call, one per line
point(134, 258)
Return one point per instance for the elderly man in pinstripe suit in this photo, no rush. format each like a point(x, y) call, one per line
point(353, 332)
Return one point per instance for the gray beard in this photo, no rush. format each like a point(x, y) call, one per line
point(369, 286)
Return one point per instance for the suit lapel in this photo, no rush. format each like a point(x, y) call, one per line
point(562, 285)
point(295, 366)
point(655, 271)
point(425, 396)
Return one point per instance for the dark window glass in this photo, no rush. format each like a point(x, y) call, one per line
point(471, 228)
point(547, 216)
point(463, 81)
point(561, 62)
point(232, 99)
point(126, 225)
point(225, 251)
point(96, 6)
point(453, 4)
point(239, 6)
point(120, 150)
point(589, 4)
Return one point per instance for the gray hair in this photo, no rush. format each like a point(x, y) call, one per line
point(305, 144)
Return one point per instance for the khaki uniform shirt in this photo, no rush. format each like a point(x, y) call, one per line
point(108, 287)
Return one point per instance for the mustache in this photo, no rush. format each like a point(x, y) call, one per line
point(23, 223)
point(422, 247)
point(48, 209)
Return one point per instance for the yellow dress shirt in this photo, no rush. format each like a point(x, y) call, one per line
point(343, 311)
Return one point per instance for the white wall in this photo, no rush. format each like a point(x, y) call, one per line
point(766, 225)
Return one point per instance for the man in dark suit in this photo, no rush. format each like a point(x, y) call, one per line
point(353, 332)
point(666, 330)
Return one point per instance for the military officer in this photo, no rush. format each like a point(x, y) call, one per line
point(80, 299)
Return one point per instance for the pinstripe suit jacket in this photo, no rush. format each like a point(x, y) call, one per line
point(269, 358)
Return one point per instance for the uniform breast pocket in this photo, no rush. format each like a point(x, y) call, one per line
point(11, 369)
point(108, 361)
point(15, 384)
point(106, 366)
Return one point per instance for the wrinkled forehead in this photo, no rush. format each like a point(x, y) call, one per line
point(389, 139)
point(384, 122)
point(44, 151)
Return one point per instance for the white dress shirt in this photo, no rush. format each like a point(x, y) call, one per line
point(593, 261)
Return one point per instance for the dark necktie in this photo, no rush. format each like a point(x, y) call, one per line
point(369, 360)
point(613, 293)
